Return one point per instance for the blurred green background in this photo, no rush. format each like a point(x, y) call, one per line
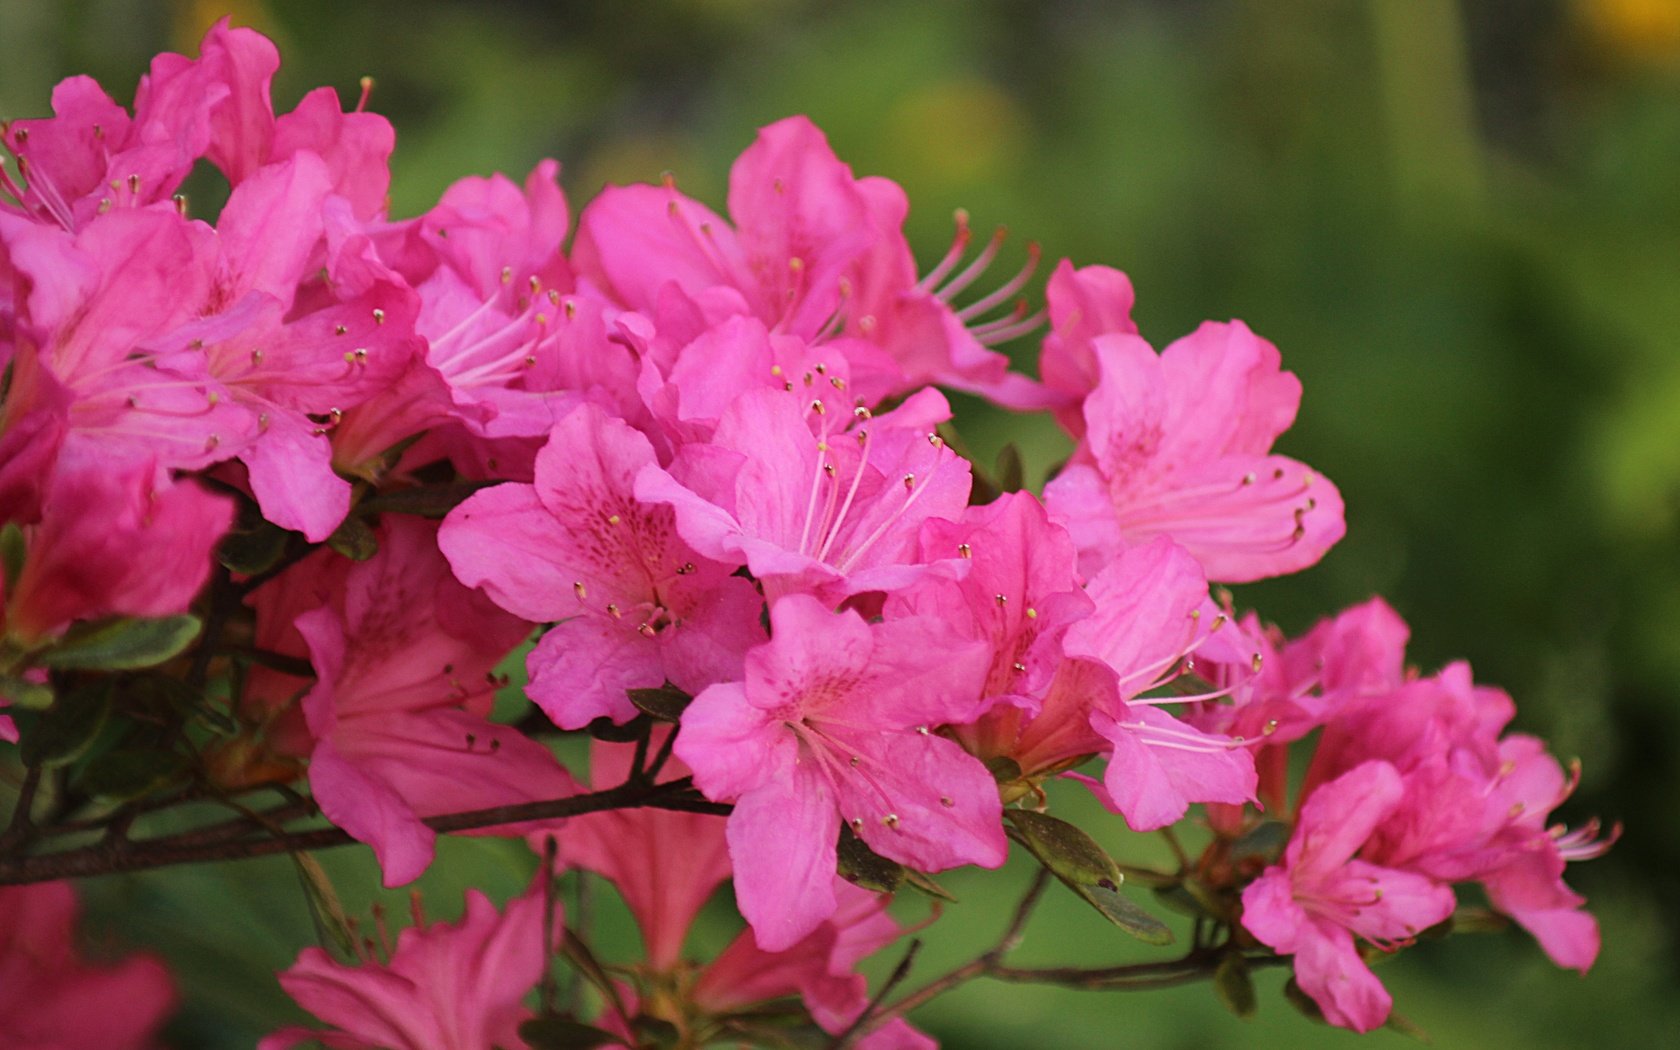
point(1459, 221)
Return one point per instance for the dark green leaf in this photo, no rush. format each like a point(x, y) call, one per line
point(1302, 1002)
point(122, 644)
point(253, 550)
point(125, 774)
point(926, 886)
point(1011, 475)
point(1234, 986)
point(65, 730)
point(862, 866)
point(1082, 865)
point(11, 555)
point(665, 703)
point(31, 696)
point(563, 1033)
point(324, 906)
point(354, 539)
point(430, 501)
point(1265, 841)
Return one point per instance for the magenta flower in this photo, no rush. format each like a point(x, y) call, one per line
point(636, 605)
point(111, 542)
point(1084, 303)
point(832, 723)
point(47, 988)
point(455, 986)
point(810, 503)
point(1314, 904)
point(1177, 445)
point(396, 719)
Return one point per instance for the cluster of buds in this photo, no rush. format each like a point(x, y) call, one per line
point(282, 491)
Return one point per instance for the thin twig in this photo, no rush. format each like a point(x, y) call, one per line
point(234, 841)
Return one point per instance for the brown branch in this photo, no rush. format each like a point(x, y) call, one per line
point(237, 840)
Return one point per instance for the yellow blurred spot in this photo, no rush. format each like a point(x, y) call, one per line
point(956, 131)
point(1634, 29)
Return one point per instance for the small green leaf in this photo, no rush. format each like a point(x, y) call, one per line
point(325, 908)
point(1231, 981)
point(354, 539)
point(122, 644)
point(1011, 474)
point(862, 866)
point(65, 730)
point(31, 696)
point(1082, 865)
point(429, 501)
point(125, 774)
point(926, 886)
point(11, 555)
point(563, 1033)
point(253, 550)
point(664, 704)
point(1302, 1002)
point(1265, 841)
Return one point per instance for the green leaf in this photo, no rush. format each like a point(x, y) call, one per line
point(1011, 474)
point(65, 730)
point(31, 696)
point(325, 908)
point(665, 703)
point(862, 866)
point(1231, 981)
point(253, 550)
point(1082, 865)
point(429, 501)
point(122, 644)
point(563, 1033)
point(11, 556)
point(354, 539)
point(128, 773)
point(1265, 841)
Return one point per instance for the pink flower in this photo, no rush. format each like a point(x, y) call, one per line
point(1084, 303)
point(114, 541)
point(396, 719)
point(637, 605)
point(454, 986)
point(808, 502)
point(1314, 904)
point(832, 723)
point(1177, 445)
point(47, 988)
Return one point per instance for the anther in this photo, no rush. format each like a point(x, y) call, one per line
point(646, 630)
point(339, 329)
point(945, 800)
point(1032, 614)
point(256, 357)
point(379, 315)
point(861, 412)
point(819, 408)
point(507, 275)
point(580, 590)
point(1255, 663)
point(613, 611)
point(1019, 666)
point(936, 441)
point(909, 482)
point(890, 820)
point(1002, 599)
point(856, 761)
point(613, 519)
point(964, 550)
point(134, 184)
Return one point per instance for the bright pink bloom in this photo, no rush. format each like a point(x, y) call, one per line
point(1150, 615)
point(1084, 303)
point(456, 986)
point(396, 718)
point(112, 542)
point(1314, 904)
point(808, 502)
point(815, 252)
point(637, 605)
point(53, 999)
point(1178, 446)
point(831, 723)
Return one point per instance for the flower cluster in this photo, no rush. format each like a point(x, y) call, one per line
point(707, 459)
